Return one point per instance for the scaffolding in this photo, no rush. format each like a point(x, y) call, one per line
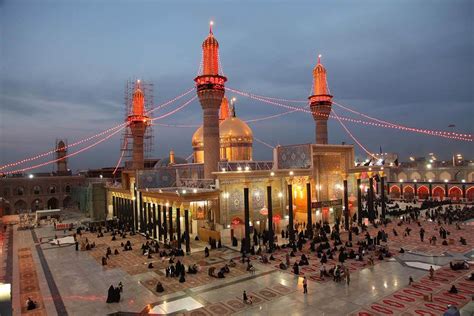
point(127, 137)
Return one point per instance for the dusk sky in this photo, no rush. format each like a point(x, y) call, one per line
point(64, 64)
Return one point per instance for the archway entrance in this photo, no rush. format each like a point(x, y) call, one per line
point(53, 203)
point(438, 193)
point(408, 193)
point(455, 194)
point(20, 206)
point(37, 204)
point(67, 202)
point(394, 192)
point(423, 193)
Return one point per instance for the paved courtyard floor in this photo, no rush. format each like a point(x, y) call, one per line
point(69, 282)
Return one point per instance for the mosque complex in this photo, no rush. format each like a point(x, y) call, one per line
point(226, 234)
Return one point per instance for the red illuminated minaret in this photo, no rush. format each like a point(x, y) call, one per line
point(320, 102)
point(210, 90)
point(138, 123)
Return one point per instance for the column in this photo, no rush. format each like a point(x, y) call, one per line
point(309, 223)
point(135, 209)
point(170, 215)
point(291, 225)
point(271, 237)
point(114, 209)
point(430, 188)
point(142, 214)
point(154, 220)
point(464, 192)
point(186, 231)
point(401, 190)
point(160, 227)
point(359, 201)
point(247, 220)
point(370, 199)
point(150, 220)
point(415, 187)
point(446, 191)
point(178, 227)
point(347, 215)
point(384, 206)
point(165, 225)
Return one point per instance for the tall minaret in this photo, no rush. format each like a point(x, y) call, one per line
point(320, 103)
point(210, 90)
point(138, 123)
point(61, 153)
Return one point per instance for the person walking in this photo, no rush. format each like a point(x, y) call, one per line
point(305, 285)
point(431, 273)
point(348, 276)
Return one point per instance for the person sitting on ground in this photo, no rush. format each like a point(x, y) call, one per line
point(206, 252)
point(220, 274)
point(272, 257)
point(246, 299)
point(159, 287)
point(149, 256)
point(283, 266)
point(226, 269)
point(211, 271)
point(401, 250)
point(410, 280)
point(264, 259)
point(232, 263)
point(250, 267)
point(462, 241)
point(116, 252)
point(30, 304)
point(292, 254)
point(453, 290)
point(150, 265)
point(104, 261)
point(296, 268)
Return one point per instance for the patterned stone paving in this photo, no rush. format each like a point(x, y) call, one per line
point(29, 285)
point(413, 242)
point(5, 255)
point(134, 263)
point(229, 307)
point(412, 300)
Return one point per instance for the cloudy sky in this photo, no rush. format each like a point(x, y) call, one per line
point(63, 66)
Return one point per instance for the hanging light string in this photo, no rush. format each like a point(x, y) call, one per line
point(121, 156)
point(263, 143)
point(175, 110)
point(359, 121)
point(170, 101)
point(424, 131)
point(66, 156)
point(189, 157)
point(81, 141)
point(352, 136)
point(271, 116)
point(429, 132)
point(62, 148)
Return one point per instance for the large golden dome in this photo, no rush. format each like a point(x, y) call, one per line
point(234, 127)
point(236, 139)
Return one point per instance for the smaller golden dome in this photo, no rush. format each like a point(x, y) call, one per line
point(198, 136)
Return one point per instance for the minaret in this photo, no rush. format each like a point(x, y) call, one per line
point(138, 123)
point(320, 103)
point(61, 153)
point(210, 90)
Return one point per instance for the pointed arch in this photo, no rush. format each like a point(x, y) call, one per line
point(408, 192)
point(423, 192)
point(438, 193)
point(394, 192)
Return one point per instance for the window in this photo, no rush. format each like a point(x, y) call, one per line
point(36, 190)
point(67, 189)
point(20, 191)
point(52, 189)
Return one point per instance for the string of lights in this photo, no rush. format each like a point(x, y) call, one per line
point(121, 156)
point(62, 148)
point(270, 117)
point(81, 141)
point(175, 110)
point(66, 156)
point(352, 136)
point(402, 126)
point(176, 125)
point(263, 143)
point(359, 121)
point(170, 101)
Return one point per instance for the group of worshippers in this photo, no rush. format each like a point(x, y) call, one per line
point(221, 273)
point(176, 270)
point(113, 294)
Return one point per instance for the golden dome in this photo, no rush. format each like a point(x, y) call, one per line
point(234, 127)
point(198, 137)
